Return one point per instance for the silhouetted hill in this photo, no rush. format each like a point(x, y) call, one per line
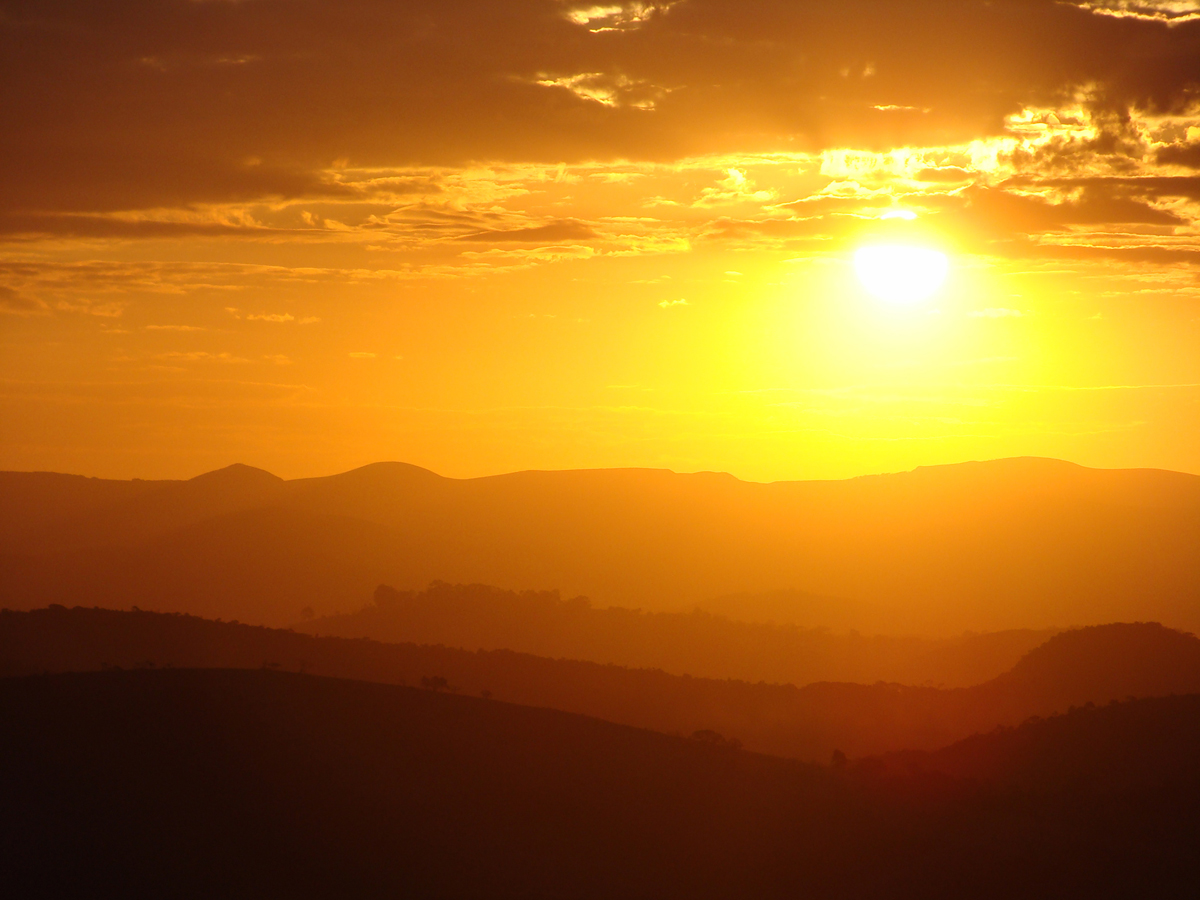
point(252, 563)
point(1143, 659)
point(151, 516)
point(696, 643)
point(33, 502)
point(807, 722)
point(260, 784)
point(1024, 543)
point(1112, 748)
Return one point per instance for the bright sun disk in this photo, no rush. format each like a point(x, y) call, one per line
point(900, 273)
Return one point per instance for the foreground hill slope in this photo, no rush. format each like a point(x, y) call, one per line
point(261, 784)
point(809, 722)
point(1018, 543)
point(1118, 747)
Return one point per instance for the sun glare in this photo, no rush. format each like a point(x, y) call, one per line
point(900, 273)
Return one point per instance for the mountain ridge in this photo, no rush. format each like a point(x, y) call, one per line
point(985, 546)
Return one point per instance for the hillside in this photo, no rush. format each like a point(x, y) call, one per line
point(808, 722)
point(1117, 747)
point(261, 784)
point(988, 546)
point(695, 643)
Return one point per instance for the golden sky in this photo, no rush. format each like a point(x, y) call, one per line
point(482, 236)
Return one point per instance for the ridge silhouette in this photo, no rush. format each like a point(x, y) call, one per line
point(694, 643)
point(807, 722)
point(1143, 658)
point(1107, 749)
point(987, 546)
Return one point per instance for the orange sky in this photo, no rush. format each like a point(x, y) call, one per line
point(485, 236)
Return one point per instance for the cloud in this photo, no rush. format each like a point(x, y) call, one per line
point(989, 213)
point(1180, 155)
point(97, 226)
point(735, 187)
point(166, 106)
point(948, 174)
point(1170, 12)
point(613, 91)
point(361, 354)
point(89, 307)
point(13, 301)
point(1147, 186)
point(555, 232)
point(529, 136)
point(530, 254)
point(615, 16)
point(667, 304)
point(199, 356)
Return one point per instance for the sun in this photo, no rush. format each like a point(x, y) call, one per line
point(900, 273)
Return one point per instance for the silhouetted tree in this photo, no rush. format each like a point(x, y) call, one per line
point(708, 736)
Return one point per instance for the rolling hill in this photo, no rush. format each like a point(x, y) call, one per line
point(1091, 665)
point(1017, 543)
point(695, 643)
point(261, 784)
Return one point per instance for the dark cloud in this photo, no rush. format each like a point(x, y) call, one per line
point(164, 103)
point(66, 225)
point(982, 217)
point(1180, 155)
point(1154, 255)
point(1140, 187)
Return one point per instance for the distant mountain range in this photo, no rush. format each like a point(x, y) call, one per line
point(1017, 543)
point(191, 783)
point(1092, 665)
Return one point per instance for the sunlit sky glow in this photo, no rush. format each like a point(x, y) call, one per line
point(482, 237)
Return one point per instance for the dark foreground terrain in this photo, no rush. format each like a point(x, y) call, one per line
point(807, 722)
point(207, 783)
